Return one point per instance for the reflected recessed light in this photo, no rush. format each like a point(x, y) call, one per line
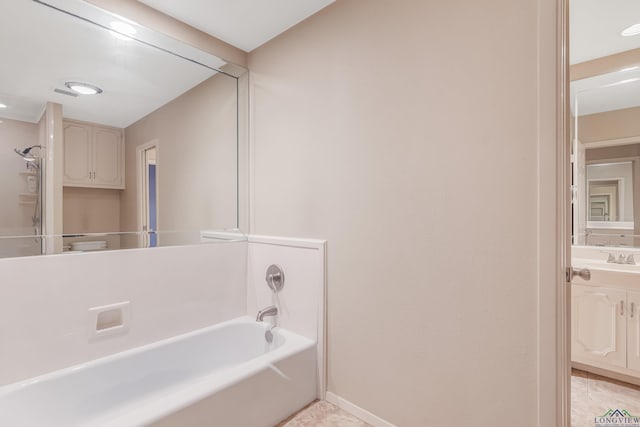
point(124, 30)
point(83, 88)
point(3, 106)
point(624, 70)
point(622, 82)
point(631, 31)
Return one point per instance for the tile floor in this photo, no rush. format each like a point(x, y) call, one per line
point(592, 395)
point(322, 414)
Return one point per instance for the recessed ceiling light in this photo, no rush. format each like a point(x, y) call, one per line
point(83, 88)
point(631, 31)
point(3, 106)
point(122, 30)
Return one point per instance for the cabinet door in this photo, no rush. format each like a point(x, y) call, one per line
point(108, 171)
point(633, 331)
point(77, 154)
point(599, 326)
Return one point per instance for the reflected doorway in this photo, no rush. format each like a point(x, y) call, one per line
point(148, 179)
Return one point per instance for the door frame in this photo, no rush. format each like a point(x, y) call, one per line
point(554, 215)
point(564, 234)
point(141, 182)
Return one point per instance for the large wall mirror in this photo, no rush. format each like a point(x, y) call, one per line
point(112, 136)
point(605, 104)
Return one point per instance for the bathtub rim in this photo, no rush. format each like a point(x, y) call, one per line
point(175, 399)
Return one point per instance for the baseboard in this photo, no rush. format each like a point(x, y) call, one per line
point(627, 378)
point(357, 411)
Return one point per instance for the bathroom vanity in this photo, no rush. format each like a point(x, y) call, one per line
point(605, 313)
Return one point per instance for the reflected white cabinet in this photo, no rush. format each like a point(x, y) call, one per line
point(93, 156)
point(605, 328)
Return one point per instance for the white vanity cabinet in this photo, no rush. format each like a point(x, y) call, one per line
point(93, 156)
point(605, 328)
point(633, 330)
point(599, 325)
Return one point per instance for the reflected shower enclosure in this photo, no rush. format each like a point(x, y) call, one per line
point(21, 212)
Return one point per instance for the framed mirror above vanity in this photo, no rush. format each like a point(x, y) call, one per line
point(112, 135)
point(606, 150)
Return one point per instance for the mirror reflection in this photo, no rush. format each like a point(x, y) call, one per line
point(605, 104)
point(610, 193)
point(107, 142)
point(607, 149)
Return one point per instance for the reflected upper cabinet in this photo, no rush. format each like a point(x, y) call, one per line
point(93, 156)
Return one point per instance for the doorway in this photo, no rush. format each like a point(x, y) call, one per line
point(148, 194)
point(602, 328)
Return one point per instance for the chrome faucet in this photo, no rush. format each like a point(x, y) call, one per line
point(272, 310)
point(621, 259)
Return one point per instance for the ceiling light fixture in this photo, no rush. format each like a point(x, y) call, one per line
point(3, 106)
point(122, 30)
point(83, 88)
point(631, 31)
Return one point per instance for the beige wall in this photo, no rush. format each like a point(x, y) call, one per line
point(606, 64)
point(609, 125)
point(197, 176)
point(617, 152)
point(359, 115)
point(91, 210)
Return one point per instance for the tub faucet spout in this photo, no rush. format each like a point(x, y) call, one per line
point(272, 310)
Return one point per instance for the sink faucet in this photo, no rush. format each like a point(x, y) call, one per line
point(272, 310)
point(621, 259)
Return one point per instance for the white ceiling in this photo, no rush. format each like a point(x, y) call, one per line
point(136, 79)
point(596, 25)
point(245, 24)
point(595, 32)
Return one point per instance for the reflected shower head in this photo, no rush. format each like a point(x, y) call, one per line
point(26, 153)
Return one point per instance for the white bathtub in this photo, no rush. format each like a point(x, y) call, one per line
point(225, 375)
